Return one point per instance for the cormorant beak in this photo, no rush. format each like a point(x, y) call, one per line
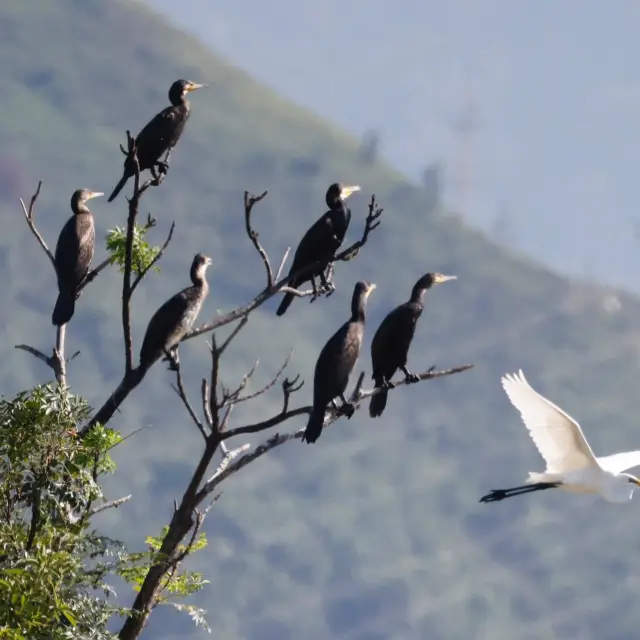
point(370, 288)
point(347, 191)
point(439, 278)
point(94, 194)
point(192, 86)
point(634, 481)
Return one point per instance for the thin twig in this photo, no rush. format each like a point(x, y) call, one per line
point(282, 263)
point(214, 406)
point(271, 383)
point(113, 504)
point(94, 273)
point(180, 390)
point(28, 214)
point(232, 335)
point(56, 361)
point(34, 352)
point(157, 257)
point(249, 201)
point(206, 399)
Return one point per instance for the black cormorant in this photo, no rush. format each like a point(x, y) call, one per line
point(391, 342)
point(174, 318)
point(323, 239)
point(336, 362)
point(73, 256)
point(161, 134)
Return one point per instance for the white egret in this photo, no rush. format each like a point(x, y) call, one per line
point(571, 464)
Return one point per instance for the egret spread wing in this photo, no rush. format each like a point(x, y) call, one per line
point(557, 436)
point(619, 462)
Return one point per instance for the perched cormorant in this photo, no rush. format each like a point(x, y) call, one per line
point(391, 342)
point(322, 239)
point(73, 256)
point(175, 317)
point(161, 134)
point(336, 362)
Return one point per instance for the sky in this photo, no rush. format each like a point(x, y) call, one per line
point(554, 87)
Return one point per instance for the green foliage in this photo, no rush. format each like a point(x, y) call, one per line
point(143, 254)
point(50, 564)
point(177, 583)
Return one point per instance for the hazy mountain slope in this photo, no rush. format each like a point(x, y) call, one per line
point(375, 532)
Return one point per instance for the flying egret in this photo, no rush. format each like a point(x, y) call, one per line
point(571, 464)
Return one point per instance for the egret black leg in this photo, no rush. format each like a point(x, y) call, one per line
point(500, 494)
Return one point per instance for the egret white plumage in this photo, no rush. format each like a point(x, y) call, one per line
point(571, 464)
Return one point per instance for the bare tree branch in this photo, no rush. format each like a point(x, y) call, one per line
point(29, 217)
point(249, 201)
point(356, 399)
point(282, 263)
point(56, 361)
point(157, 257)
point(371, 223)
point(185, 400)
point(113, 504)
point(278, 439)
point(133, 377)
point(134, 204)
point(94, 273)
point(237, 329)
point(238, 399)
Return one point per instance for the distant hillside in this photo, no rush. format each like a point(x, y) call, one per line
point(375, 532)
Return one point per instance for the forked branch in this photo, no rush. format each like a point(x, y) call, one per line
point(371, 223)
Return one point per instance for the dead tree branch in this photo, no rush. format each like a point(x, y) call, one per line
point(180, 390)
point(29, 217)
point(157, 257)
point(56, 361)
point(357, 397)
point(93, 274)
point(371, 223)
point(113, 504)
point(199, 489)
point(238, 398)
point(132, 376)
point(278, 439)
point(249, 201)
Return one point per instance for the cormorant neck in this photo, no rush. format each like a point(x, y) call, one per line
point(178, 99)
point(418, 293)
point(81, 207)
point(337, 205)
point(199, 276)
point(357, 308)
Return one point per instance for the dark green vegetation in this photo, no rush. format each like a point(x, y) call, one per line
point(374, 532)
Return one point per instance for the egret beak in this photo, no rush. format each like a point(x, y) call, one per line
point(94, 194)
point(439, 278)
point(192, 86)
point(347, 191)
